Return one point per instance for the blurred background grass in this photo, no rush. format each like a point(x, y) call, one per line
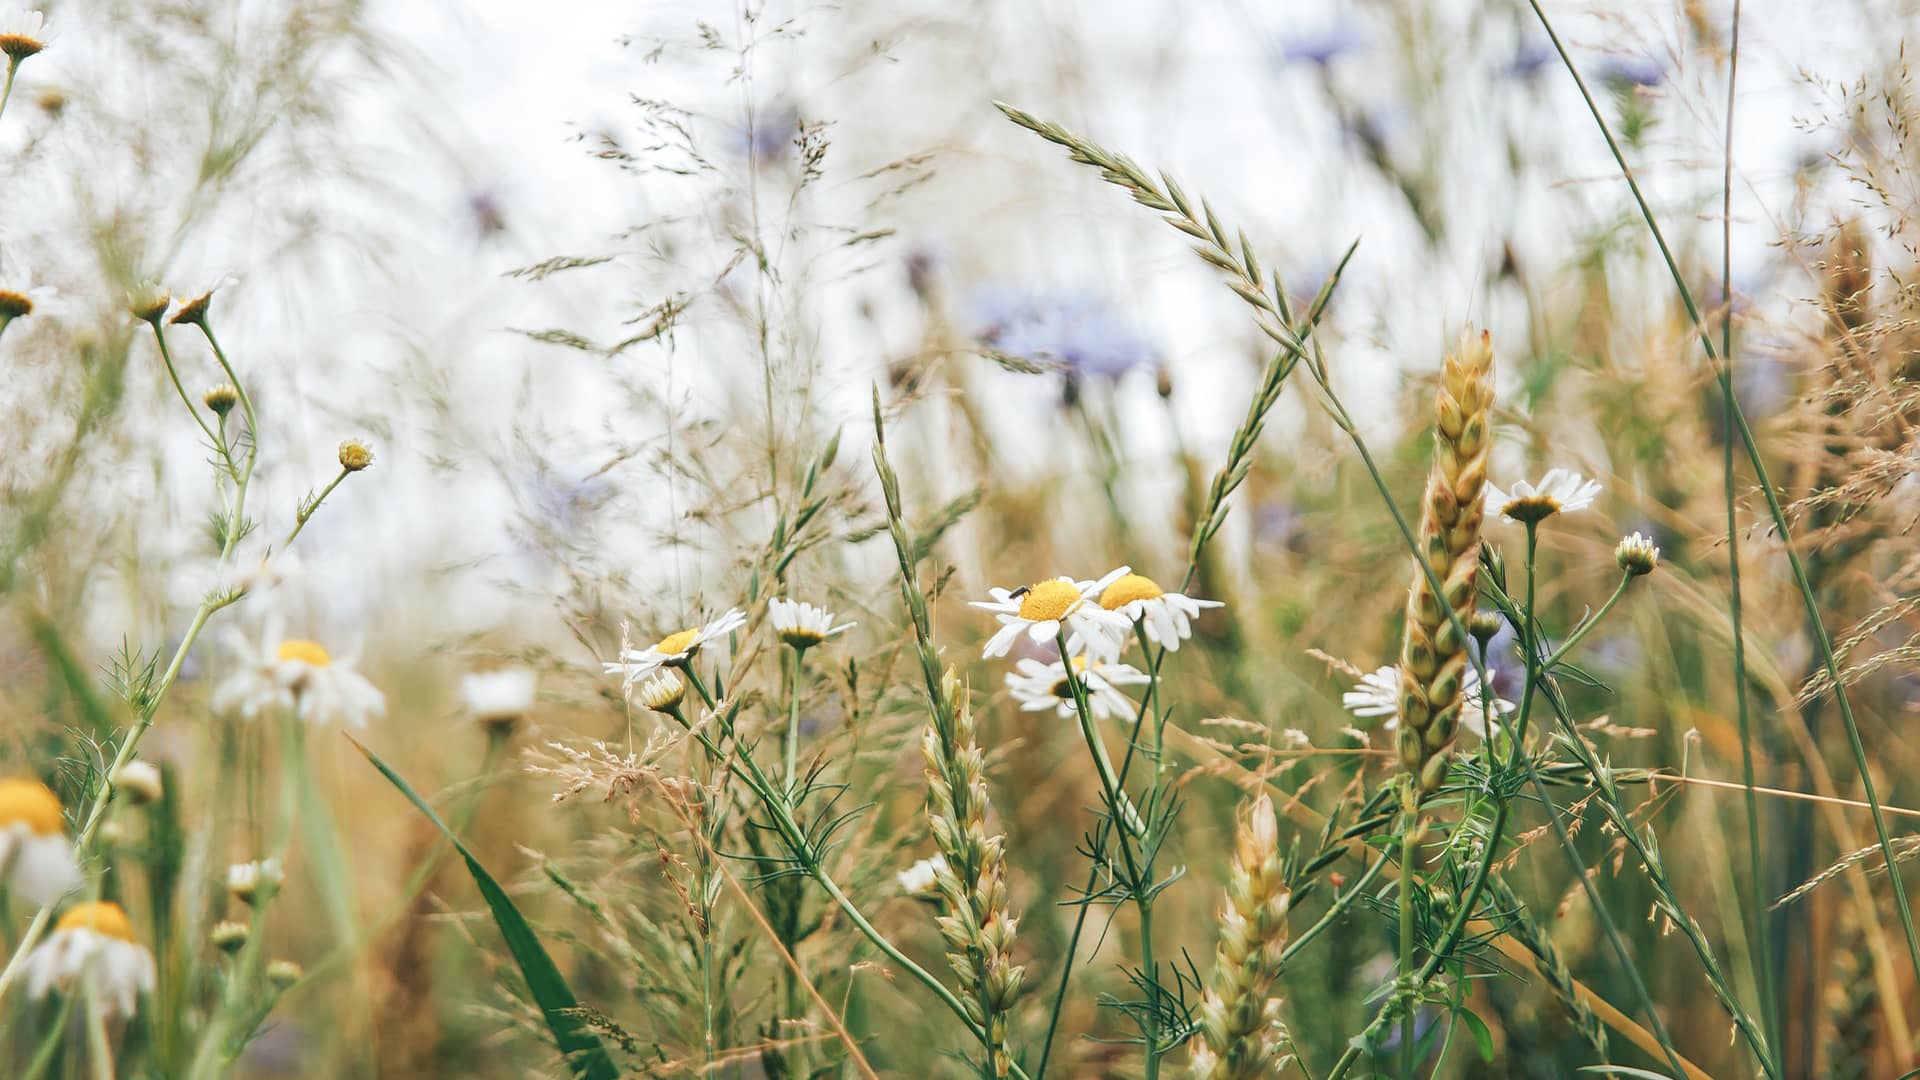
point(599, 284)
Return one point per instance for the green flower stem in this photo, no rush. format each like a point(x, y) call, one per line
point(793, 722)
point(13, 65)
point(1335, 911)
point(1409, 852)
point(307, 512)
point(99, 1043)
point(240, 388)
point(1136, 872)
point(166, 358)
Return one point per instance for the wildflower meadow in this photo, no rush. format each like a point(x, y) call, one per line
point(762, 539)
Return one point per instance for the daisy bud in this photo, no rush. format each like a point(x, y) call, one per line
point(1483, 626)
point(254, 883)
point(1637, 555)
point(14, 305)
point(229, 936)
point(148, 302)
point(140, 780)
point(221, 399)
point(283, 974)
point(355, 455)
point(663, 691)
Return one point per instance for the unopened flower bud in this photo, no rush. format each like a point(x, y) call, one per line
point(663, 691)
point(282, 974)
point(221, 399)
point(229, 936)
point(255, 883)
point(1483, 626)
point(355, 455)
point(139, 780)
point(1637, 555)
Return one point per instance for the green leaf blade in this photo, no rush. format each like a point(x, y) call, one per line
point(585, 1054)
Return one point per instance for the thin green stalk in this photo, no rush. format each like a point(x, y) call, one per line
point(775, 805)
point(1409, 851)
point(239, 387)
point(307, 512)
point(1619, 818)
point(55, 1037)
point(1755, 917)
point(166, 358)
point(793, 723)
point(1335, 911)
point(1774, 509)
point(99, 1043)
point(13, 65)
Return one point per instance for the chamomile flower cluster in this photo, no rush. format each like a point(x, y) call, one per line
point(1092, 621)
point(651, 676)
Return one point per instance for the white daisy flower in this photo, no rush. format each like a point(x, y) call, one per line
point(1040, 611)
point(20, 297)
point(1378, 694)
point(22, 32)
point(1167, 617)
point(36, 861)
point(1039, 686)
point(1561, 491)
point(498, 698)
point(922, 879)
point(93, 945)
point(673, 650)
point(299, 674)
point(803, 625)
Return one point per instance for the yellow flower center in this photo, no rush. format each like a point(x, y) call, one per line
point(31, 803)
point(311, 653)
point(673, 644)
point(1049, 600)
point(1127, 590)
point(99, 916)
point(1064, 689)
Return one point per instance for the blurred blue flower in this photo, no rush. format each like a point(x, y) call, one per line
point(1531, 57)
point(1424, 1017)
point(772, 137)
point(1319, 47)
point(1627, 72)
point(1074, 330)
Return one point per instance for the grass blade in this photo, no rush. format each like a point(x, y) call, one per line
point(584, 1052)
